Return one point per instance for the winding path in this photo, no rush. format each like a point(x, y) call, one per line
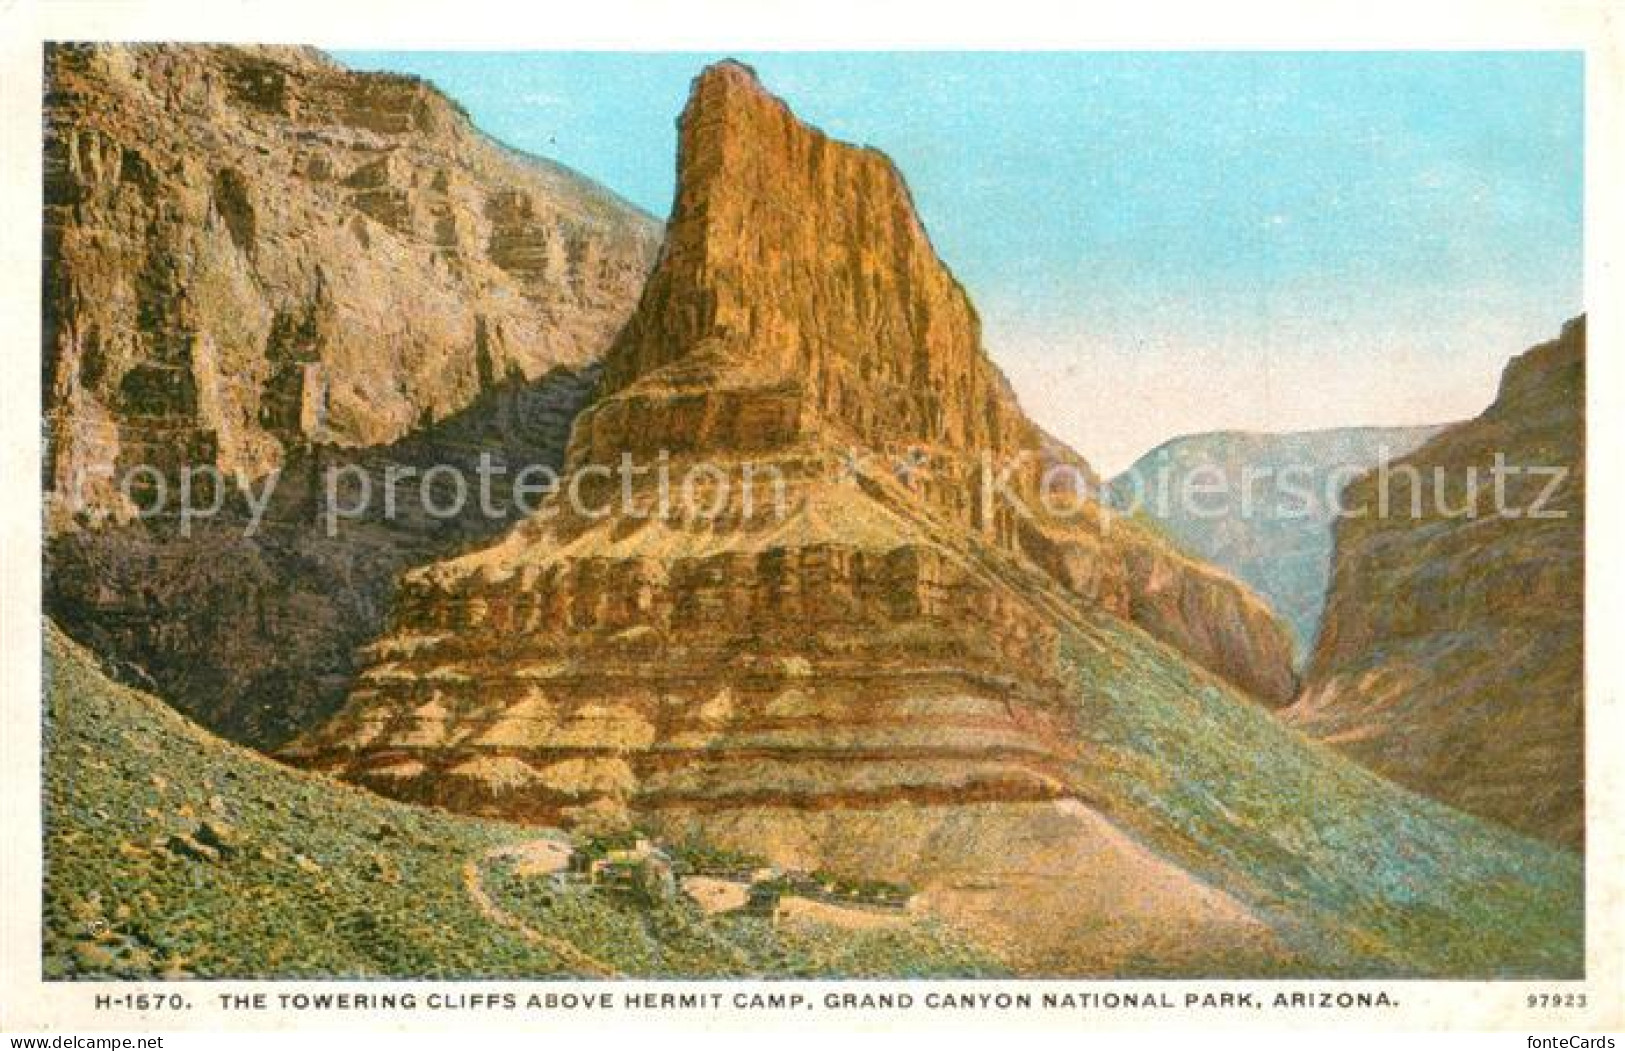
point(572, 956)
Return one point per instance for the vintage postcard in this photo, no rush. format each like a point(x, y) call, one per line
point(1074, 537)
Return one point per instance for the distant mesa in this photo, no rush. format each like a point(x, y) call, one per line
point(1269, 508)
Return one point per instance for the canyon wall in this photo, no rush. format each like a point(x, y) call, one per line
point(1451, 656)
point(260, 261)
point(251, 250)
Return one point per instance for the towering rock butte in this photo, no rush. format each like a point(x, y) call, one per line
point(796, 269)
point(839, 663)
point(798, 308)
point(259, 260)
point(836, 631)
point(1451, 656)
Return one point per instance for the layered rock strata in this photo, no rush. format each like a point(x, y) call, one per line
point(843, 614)
point(250, 250)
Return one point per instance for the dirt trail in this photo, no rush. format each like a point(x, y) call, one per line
point(488, 907)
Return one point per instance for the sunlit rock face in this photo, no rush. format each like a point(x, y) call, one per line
point(845, 616)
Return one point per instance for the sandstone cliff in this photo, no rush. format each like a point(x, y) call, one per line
point(799, 305)
point(798, 327)
point(869, 628)
point(1451, 655)
point(249, 250)
point(306, 878)
point(258, 260)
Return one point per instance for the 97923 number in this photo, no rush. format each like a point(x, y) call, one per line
point(1556, 1000)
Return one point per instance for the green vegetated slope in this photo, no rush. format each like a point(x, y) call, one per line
point(171, 852)
point(1358, 875)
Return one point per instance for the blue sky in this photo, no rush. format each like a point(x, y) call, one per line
point(1163, 243)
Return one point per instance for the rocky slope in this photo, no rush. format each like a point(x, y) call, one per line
point(1452, 651)
point(260, 261)
point(1268, 506)
point(170, 853)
